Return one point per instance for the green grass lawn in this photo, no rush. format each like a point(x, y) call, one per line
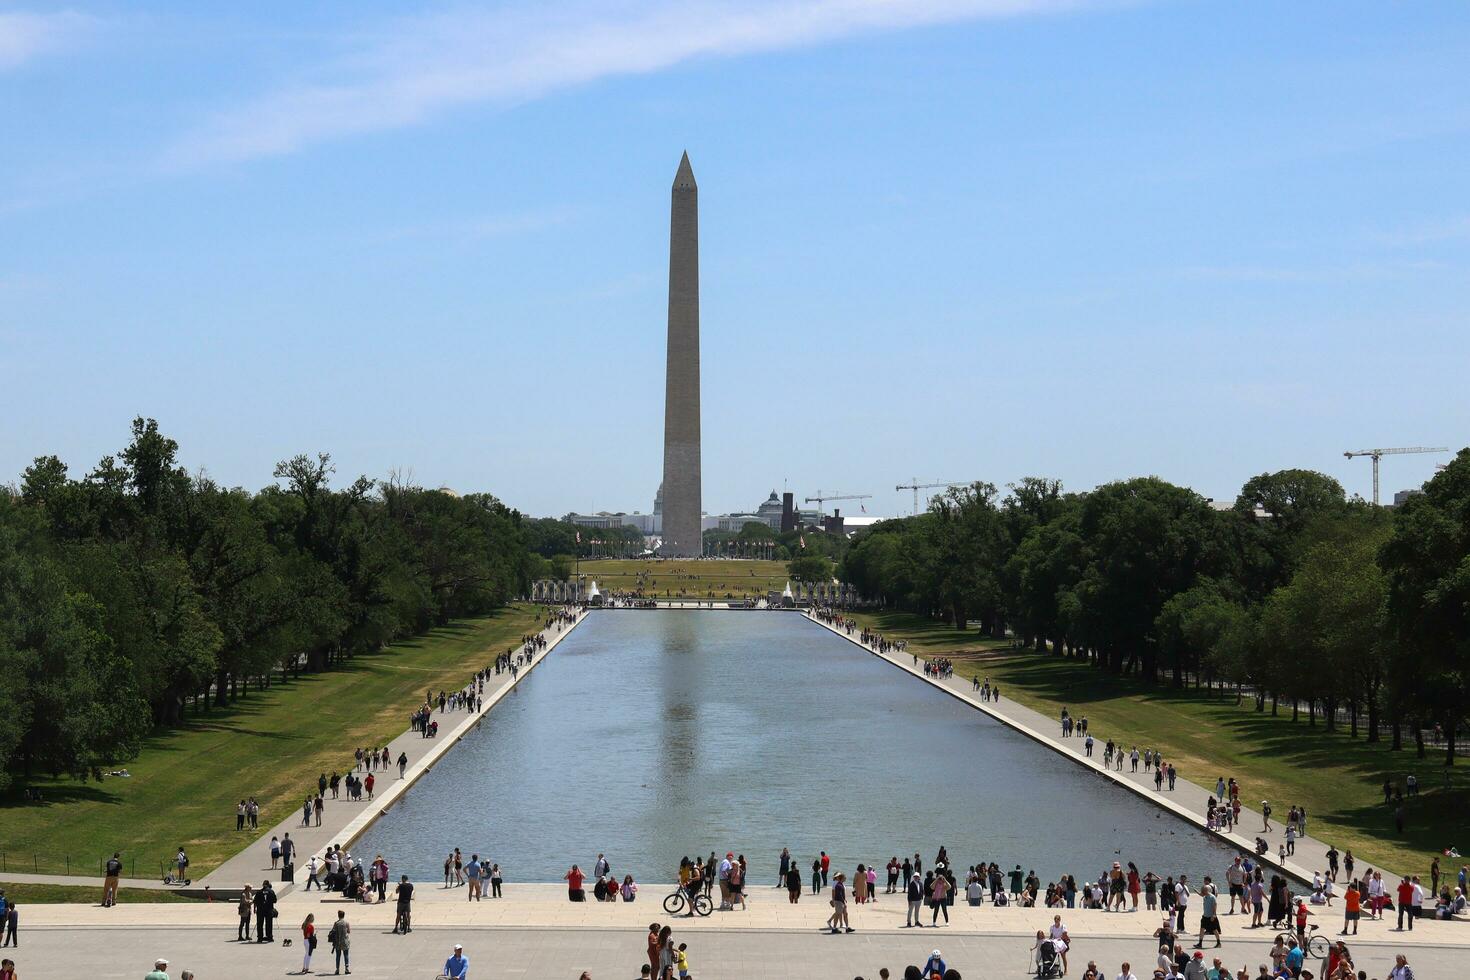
point(692, 579)
point(31, 894)
point(269, 745)
point(1336, 777)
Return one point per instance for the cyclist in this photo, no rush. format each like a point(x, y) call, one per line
point(695, 886)
point(457, 967)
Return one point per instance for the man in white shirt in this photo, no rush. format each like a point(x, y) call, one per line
point(725, 883)
point(1125, 972)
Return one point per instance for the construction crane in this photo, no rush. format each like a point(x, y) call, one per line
point(916, 486)
point(822, 498)
point(1377, 454)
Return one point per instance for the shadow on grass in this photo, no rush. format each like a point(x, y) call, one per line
point(240, 715)
point(55, 792)
point(1292, 749)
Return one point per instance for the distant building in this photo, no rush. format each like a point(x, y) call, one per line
point(737, 522)
point(1402, 496)
point(646, 524)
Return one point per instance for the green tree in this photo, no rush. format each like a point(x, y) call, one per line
point(1427, 561)
point(810, 568)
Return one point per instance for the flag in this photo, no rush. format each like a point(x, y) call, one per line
point(861, 507)
point(579, 537)
point(803, 542)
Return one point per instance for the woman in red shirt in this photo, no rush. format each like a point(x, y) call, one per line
point(308, 942)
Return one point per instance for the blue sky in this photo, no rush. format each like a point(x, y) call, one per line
point(952, 239)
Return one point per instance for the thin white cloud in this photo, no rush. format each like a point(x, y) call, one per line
point(25, 36)
point(479, 228)
point(410, 70)
point(1359, 271)
point(1450, 229)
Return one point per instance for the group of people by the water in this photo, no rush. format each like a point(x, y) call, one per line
point(607, 888)
point(479, 875)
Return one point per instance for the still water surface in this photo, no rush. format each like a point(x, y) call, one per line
point(652, 735)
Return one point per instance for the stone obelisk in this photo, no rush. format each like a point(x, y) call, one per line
point(683, 536)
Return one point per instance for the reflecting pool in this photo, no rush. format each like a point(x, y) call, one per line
point(649, 735)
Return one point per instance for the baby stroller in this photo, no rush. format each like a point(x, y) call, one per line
point(1048, 962)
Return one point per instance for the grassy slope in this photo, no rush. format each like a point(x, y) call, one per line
point(186, 782)
point(31, 894)
point(701, 579)
point(1335, 777)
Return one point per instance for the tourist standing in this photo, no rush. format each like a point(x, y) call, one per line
point(938, 896)
point(245, 907)
point(340, 938)
point(402, 917)
point(653, 932)
point(573, 879)
point(308, 942)
point(793, 883)
point(264, 907)
point(109, 883)
point(915, 896)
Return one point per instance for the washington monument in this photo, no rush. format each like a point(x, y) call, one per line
point(683, 535)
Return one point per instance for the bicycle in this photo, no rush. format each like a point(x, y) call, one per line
point(1313, 946)
point(678, 902)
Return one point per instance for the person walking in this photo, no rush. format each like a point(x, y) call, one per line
point(1406, 904)
point(839, 921)
point(793, 883)
point(340, 938)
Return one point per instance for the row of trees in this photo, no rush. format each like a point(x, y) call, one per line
point(139, 588)
point(1296, 593)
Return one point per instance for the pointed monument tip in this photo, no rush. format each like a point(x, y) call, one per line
point(685, 175)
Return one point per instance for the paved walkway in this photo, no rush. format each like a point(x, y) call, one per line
point(1186, 800)
point(343, 821)
point(126, 954)
point(545, 906)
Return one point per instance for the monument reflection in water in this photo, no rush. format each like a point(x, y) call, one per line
point(651, 735)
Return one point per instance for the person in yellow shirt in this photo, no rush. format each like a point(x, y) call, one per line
point(683, 961)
